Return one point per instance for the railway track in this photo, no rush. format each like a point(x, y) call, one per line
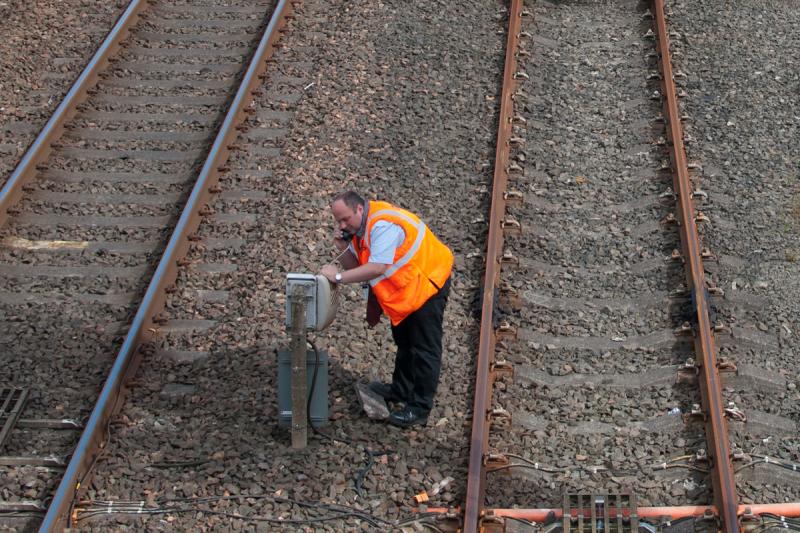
point(588, 275)
point(89, 213)
point(217, 457)
point(587, 300)
point(209, 379)
point(610, 319)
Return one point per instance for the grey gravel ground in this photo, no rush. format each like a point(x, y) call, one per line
point(579, 403)
point(596, 356)
point(43, 48)
point(743, 84)
point(398, 100)
point(103, 204)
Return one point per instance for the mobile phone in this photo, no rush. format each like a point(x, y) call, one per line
point(347, 236)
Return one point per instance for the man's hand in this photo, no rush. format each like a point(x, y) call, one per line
point(338, 241)
point(329, 271)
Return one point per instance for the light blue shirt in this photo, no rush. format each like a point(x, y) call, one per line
point(384, 240)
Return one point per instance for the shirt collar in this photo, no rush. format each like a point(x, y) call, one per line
point(364, 215)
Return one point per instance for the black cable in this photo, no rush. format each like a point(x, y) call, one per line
point(763, 459)
point(166, 506)
point(430, 526)
point(168, 503)
point(100, 451)
point(778, 524)
point(520, 520)
point(666, 522)
point(787, 519)
point(311, 396)
point(359, 480)
point(370, 455)
point(99, 512)
point(420, 516)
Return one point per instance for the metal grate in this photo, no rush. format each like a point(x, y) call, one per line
point(12, 402)
point(607, 513)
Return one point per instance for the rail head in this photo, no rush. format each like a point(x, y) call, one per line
point(59, 514)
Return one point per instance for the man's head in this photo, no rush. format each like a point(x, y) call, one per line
point(348, 210)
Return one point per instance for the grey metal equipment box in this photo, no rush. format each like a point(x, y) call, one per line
point(322, 299)
point(319, 402)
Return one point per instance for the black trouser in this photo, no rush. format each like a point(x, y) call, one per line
point(419, 352)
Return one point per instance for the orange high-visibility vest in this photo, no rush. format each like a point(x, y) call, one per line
point(421, 265)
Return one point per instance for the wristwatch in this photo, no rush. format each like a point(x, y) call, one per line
point(338, 277)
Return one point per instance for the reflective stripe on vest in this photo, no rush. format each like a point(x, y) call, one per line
point(409, 255)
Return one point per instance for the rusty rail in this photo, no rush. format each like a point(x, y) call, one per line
point(479, 440)
point(143, 329)
point(725, 499)
point(672, 513)
point(40, 149)
point(723, 480)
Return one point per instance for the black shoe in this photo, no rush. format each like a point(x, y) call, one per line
point(407, 417)
point(385, 391)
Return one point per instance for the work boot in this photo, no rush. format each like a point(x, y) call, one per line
point(385, 391)
point(407, 417)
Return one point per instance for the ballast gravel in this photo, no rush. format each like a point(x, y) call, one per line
point(395, 99)
point(743, 79)
point(398, 99)
point(44, 45)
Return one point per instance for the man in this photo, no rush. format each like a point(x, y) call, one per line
point(408, 270)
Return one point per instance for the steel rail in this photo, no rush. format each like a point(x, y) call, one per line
point(789, 510)
point(143, 329)
point(41, 147)
point(479, 440)
point(724, 483)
